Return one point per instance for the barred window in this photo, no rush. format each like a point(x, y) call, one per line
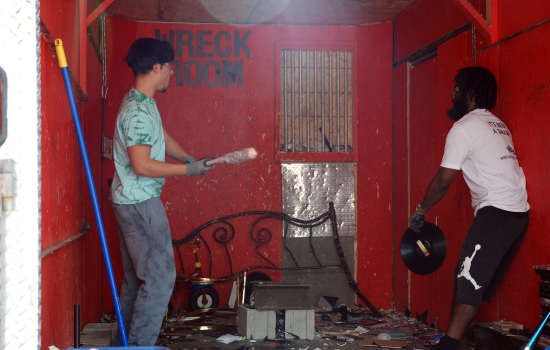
point(316, 101)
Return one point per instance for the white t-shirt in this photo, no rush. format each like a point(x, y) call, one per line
point(481, 146)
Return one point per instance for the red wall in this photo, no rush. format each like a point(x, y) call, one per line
point(521, 104)
point(402, 137)
point(72, 274)
point(374, 180)
point(210, 121)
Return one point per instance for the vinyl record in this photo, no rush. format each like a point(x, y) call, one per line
point(423, 252)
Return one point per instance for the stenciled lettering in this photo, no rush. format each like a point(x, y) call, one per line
point(164, 38)
point(240, 43)
point(212, 73)
point(187, 73)
point(206, 73)
point(217, 44)
point(201, 43)
point(188, 42)
point(233, 72)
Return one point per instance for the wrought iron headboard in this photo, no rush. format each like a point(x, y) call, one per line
point(263, 236)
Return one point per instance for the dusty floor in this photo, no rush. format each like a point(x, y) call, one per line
point(330, 332)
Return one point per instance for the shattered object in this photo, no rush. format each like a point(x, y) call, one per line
point(371, 322)
point(423, 317)
point(229, 338)
point(384, 343)
point(382, 324)
point(184, 319)
point(233, 296)
point(344, 335)
point(327, 303)
point(359, 330)
point(202, 334)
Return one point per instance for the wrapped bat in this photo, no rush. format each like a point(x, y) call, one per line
point(235, 157)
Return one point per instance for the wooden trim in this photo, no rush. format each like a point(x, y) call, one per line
point(98, 11)
point(478, 21)
point(49, 41)
point(409, 277)
point(428, 49)
point(82, 10)
point(63, 243)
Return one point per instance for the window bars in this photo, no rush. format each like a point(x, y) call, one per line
point(316, 101)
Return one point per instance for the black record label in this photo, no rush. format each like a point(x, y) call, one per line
point(423, 252)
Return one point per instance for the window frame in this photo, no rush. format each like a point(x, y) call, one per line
point(315, 46)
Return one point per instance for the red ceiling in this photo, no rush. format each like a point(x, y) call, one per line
point(305, 12)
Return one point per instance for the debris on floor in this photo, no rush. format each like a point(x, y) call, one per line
point(218, 330)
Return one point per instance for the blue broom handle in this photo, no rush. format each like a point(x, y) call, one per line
point(68, 86)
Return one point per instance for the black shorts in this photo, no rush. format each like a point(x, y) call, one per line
point(492, 241)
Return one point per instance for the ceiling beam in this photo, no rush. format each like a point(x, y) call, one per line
point(489, 31)
point(98, 11)
point(84, 23)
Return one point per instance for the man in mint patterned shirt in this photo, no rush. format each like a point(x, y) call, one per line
point(140, 146)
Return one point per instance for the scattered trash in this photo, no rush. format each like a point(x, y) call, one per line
point(206, 329)
point(398, 335)
point(383, 343)
point(229, 338)
point(359, 330)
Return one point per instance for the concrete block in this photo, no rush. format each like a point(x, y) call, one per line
point(256, 324)
point(300, 323)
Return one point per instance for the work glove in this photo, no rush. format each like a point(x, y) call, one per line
point(188, 159)
point(199, 167)
point(417, 220)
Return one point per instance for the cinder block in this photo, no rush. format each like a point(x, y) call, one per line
point(300, 323)
point(256, 324)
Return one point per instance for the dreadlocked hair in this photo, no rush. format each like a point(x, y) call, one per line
point(479, 83)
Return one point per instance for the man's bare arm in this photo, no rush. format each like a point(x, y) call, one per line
point(143, 165)
point(437, 189)
point(173, 148)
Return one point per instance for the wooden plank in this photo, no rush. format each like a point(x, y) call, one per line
point(49, 41)
point(98, 11)
point(477, 20)
point(63, 243)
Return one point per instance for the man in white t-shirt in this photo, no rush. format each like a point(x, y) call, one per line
point(481, 146)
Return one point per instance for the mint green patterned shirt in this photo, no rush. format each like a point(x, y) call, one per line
point(138, 123)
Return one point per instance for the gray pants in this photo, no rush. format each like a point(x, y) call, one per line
point(149, 269)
